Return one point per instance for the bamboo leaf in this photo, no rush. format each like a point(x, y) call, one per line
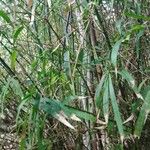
point(98, 91)
point(126, 75)
point(13, 58)
point(17, 32)
point(119, 26)
point(135, 16)
point(22, 105)
point(16, 87)
point(79, 113)
point(116, 111)
point(142, 116)
point(55, 108)
point(63, 120)
point(5, 16)
point(114, 52)
point(106, 101)
point(69, 99)
point(50, 106)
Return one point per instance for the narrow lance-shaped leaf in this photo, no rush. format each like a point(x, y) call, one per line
point(114, 52)
point(16, 87)
point(54, 109)
point(106, 101)
point(135, 16)
point(142, 116)
point(119, 26)
point(98, 91)
point(126, 75)
point(81, 114)
point(16, 33)
point(4, 16)
point(13, 59)
point(138, 43)
point(71, 98)
point(116, 111)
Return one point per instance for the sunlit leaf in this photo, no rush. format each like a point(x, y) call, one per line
point(129, 119)
point(5, 16)
point(63, 120)
point(55, 49)
point(74, 117)
point(13, 58)
point(135, 16)
point(49, 3)
point(137, 28)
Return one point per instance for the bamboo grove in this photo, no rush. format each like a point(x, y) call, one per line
point(74, 74)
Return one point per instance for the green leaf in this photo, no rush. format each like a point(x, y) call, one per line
point(137, 27)
point(141, 84)
point(81, 56)
point(50, 106)
point(98, 91)
point(80, 113)
point(4, 92)
point(4, 16)
point(71, 98)
point(126, 75)
point(118, 26)
point(16, 87)
point(116, 111)
point(54, 107)
point(145, 90)
point(13, 58)
point(142, 116)
point(135, 16)
point(55, 49)
point(138, 36)
point(17, 32)
point(22, 105)
point(114, 52)
point(106, 101)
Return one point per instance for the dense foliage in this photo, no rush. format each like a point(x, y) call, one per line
point(75, 74)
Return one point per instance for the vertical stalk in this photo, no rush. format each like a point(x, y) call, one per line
point(85, 103)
